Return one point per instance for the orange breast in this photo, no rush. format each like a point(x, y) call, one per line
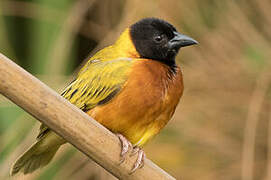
point(145, 104)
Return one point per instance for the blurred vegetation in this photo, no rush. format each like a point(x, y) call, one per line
point(222, 127)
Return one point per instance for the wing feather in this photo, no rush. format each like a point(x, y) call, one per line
point(96, 84)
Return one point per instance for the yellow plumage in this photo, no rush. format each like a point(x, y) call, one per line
point(98, 82)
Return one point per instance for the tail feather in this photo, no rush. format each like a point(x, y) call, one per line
point(37, 156)
point(30, 161)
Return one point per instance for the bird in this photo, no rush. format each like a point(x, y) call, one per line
point(131, 87)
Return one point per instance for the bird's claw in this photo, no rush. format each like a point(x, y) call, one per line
point(125, 146)
point(140, 160)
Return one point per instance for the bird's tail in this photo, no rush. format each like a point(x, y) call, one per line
point(37, 156)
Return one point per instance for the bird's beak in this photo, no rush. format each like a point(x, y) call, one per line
point(180, 40)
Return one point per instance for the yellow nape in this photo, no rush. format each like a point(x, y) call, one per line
point(122, 48)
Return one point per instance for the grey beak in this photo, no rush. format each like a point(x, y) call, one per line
point(180, 40)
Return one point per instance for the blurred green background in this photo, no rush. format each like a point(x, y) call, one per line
point(222, 127)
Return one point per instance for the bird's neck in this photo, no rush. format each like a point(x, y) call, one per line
point(124, 46)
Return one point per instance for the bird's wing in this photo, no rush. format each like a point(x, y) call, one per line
point(96, 84)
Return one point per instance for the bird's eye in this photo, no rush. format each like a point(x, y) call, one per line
point(158, 38)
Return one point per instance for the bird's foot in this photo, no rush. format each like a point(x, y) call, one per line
point(125, 146)
point(140, 158)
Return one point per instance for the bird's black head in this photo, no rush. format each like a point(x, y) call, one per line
point(157, 39)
